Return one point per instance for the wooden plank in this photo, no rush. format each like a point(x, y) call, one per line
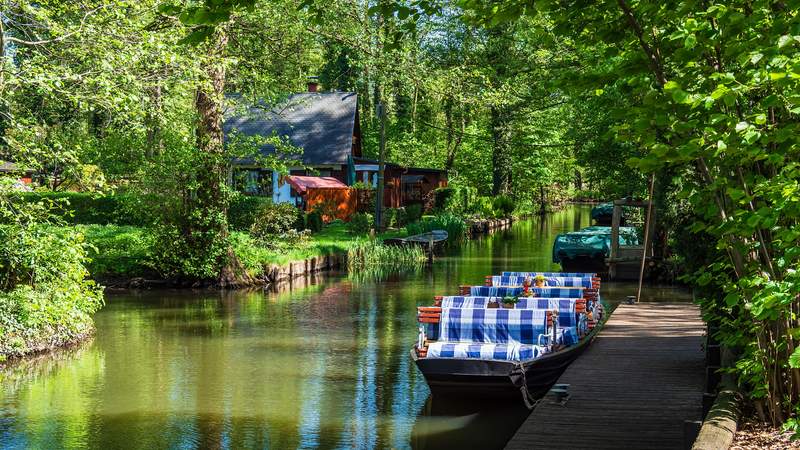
point(633, 388)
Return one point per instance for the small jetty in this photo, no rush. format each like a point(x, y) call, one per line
point(635, 387)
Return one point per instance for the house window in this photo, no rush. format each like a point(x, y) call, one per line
point(253, 181)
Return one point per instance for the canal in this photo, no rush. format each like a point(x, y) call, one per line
point(322, 364)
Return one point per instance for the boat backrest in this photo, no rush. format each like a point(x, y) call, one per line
point(550, 274)
point(558, 304)
point(514, 281)
point(546, 292)
point(523, 326)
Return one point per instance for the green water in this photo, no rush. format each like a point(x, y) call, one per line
point(323, 364)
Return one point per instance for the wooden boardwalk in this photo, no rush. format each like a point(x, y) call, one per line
point(632, 389)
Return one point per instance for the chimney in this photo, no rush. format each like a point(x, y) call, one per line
point(313, 84)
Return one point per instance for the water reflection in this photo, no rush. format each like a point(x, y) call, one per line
point(321, 364)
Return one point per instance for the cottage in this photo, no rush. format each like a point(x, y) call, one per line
point(325, 125)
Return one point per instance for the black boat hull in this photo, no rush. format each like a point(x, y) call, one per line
point(498, 379)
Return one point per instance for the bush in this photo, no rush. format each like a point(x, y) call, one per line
point(503, 206)
point(484, 207)
point(313, 221)
point(442, 197)
point(363, 186)
point(274, 219)
point(454, 225)
point(45, 296)
point(244, 209)
point(91, 208)
point(394, 217)
point(360, 223)
point(413, 213)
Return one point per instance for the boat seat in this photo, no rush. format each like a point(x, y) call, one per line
point(493, 325)
point(546, 292)
point(517, 281)
point(551, 274)
point(502, 352)
point(559, 304)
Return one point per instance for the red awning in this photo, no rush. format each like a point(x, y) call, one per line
point(301, 184)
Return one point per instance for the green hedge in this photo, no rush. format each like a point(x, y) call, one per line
point(90, 208)
point(84, 208)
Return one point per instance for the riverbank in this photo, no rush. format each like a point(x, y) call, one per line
point(123, 256)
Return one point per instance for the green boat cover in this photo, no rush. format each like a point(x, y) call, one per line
point(591, 242)
point(603, 211)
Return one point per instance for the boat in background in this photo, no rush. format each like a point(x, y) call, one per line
point(430, 239)
point(586, 250)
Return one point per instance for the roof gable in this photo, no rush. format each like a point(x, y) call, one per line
point(321, 123)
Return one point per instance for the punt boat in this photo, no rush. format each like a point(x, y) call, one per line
point(508, 338)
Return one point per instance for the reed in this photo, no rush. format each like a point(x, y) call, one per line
point(373, 258)
point(454, 225)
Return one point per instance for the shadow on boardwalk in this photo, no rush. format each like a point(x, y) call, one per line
point(633, 388)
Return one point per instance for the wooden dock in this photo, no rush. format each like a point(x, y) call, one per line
point(633, 388)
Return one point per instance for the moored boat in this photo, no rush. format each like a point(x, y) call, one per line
point(430, 239)
point(507, 341)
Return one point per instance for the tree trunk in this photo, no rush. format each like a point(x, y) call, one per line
point(155, 143)
point(501, 152)
point(211, 199)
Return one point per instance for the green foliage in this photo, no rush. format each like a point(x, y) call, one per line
point(363, 186)
point(92, 208)
point(244, 210)
point(275, 219)
point(413, 213)
point(503, 206)
point(45, 296)
point(313, 221)
point(394, 217)
point(483, 207)
point(360, 223)
point(454, 225)
point(119, 251)
point(370, 257)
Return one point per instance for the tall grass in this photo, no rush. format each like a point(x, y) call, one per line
point(454, 225)
point(372, 259)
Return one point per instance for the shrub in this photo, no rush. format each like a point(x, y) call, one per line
point(454, 225)
point(92, 208)
point(362, 185)
point(394, 217)
point(442, 197)
point(244, 209)
point(484, 207)
point(273, 219)
point(413, 213)
point(46, 298)
point(313, 221)
point(503, 205)
point(360, 223)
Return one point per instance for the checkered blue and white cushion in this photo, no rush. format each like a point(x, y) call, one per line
point(547, 292)
point(514, 281)
point(503, 352)
point(492, 325)
point(549, 274)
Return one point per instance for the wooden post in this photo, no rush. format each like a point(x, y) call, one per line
point(648, 228)
point(381, 164)
point(616, 218)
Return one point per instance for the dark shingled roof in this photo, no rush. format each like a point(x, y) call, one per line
point(321, 123)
